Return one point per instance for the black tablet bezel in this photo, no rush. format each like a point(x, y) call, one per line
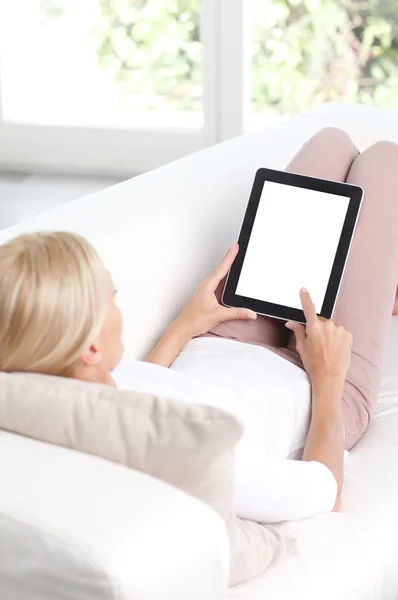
point(353, 192)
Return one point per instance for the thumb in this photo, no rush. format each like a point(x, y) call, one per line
point(241, 314)
point(298, 330)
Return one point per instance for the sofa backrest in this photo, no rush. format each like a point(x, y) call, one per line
point(161, 232)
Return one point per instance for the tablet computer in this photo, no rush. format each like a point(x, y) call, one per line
point(296, 232)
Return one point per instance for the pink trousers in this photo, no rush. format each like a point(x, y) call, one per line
point(367, 293)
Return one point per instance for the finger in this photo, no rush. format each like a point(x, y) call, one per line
point(224, 266)
point(298, 330)
point(331, 321)
point(308, 307)
point(240, 314)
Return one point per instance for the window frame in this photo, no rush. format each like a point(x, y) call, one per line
point(113, 150)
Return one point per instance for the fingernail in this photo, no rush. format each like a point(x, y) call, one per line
point(304, 290)
point(288, 325)
point(251, 315)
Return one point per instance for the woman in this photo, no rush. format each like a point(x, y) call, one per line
point(58, 316)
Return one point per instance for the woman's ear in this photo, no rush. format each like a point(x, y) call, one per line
point(92, 356)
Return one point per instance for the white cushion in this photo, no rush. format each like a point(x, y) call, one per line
point(77, 527)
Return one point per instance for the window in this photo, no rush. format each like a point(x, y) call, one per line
point(104, 62)
point(121, 86)
point(109, 86)
point(306, 53)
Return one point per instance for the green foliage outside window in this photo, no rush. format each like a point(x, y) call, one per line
point(153, 50)
point(314, 51)
point(304, 52)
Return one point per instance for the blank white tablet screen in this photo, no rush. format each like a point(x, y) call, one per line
point(292, 245)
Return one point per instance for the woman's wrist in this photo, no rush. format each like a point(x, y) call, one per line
point(171, 344)
point(181, 331)
point(328, 387)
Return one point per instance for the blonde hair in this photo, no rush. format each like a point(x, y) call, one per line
point(53, 301)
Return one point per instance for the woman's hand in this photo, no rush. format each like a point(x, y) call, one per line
point(203, 312)
point(324, 346)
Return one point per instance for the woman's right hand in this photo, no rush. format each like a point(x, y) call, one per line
point(324, 346)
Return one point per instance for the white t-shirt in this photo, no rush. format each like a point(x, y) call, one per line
point(272, 398)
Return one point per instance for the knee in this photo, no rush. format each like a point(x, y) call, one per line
point(384, 147)
point(335, 136)
point(381, 156)
point(337, 141)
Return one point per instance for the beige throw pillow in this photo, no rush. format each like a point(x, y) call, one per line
point(189, 446)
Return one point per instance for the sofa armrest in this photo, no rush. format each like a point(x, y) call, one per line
point(132, 536)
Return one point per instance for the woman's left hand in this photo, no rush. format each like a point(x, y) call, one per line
point(203, 312)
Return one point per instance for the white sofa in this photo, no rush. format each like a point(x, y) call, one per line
point(73, 527)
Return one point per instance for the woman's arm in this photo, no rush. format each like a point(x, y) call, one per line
point(325, 440)
point(325, 349)
point(170, 345)
point(202, 313)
